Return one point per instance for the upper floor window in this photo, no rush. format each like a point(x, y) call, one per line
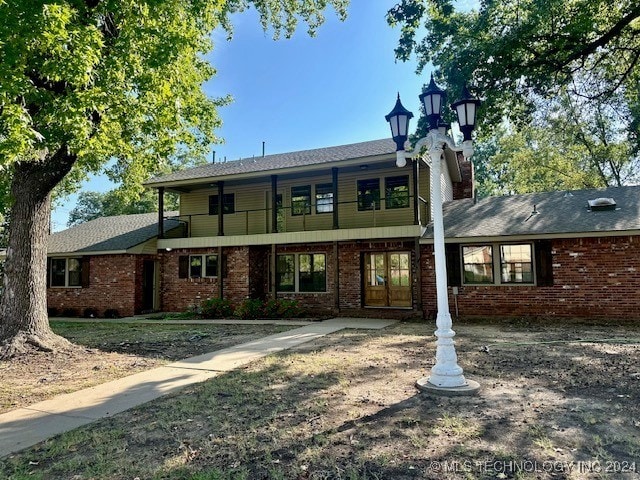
point(65, 272)
point(301, 200)
point(324, 198)
point(513, 261)
point(229, 204)
point(397, 192)
point(369, 194)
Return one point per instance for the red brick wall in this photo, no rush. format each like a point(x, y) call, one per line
point(179, 294)
point(350, 255)
point(593, 278)
point(114, 284)
point(464, 189)
point(316, 303)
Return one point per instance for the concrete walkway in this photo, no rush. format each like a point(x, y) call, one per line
point(27, 426)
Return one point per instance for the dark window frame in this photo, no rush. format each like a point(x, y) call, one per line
point(294, 283)
point(229, 204)
point(301, 206)
point(368, 194)
point(324, 198)
point(402, 197)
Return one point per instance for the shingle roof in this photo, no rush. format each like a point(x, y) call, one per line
point(558, 213)
point(281, 160)
point(105, 234)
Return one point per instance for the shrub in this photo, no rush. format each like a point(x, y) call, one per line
point(216, 308)
point(90, 313)
point(111, 313)
point(249, 309)
point(70, 312)
point(53, 311)
point(281, 309)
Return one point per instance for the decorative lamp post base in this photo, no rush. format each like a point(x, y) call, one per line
point(469, 388)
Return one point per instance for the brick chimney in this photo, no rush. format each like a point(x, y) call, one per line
point(464, 189)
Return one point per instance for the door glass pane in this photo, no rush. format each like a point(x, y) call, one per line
point(399, 269)
point(377, 270)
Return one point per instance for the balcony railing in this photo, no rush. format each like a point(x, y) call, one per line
point(258, 221)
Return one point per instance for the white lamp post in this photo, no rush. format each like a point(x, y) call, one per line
point(446, 375)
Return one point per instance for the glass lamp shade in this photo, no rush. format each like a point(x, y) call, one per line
point(398, 119)
point(465, 109)
point(432, 98)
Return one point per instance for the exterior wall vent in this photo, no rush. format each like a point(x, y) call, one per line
point(599, 204)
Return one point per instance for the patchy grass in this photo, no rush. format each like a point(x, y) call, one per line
point(345, 407)
point(113, 350)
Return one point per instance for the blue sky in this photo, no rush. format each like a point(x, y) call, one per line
point(304, 92)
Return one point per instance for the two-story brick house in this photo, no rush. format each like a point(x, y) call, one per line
point(344, 234)
point(344, 230)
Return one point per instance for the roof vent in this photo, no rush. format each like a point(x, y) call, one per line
point(602, 203)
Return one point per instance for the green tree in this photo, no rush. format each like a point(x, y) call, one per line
point(558, 78)
point(92, 205)
point(83, 82)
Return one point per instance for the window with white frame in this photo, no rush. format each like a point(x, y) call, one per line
point(65, 272)
point(498, 264)
point(203, 266)
point(301, 272)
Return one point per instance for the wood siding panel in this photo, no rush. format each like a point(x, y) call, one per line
point(194, 206)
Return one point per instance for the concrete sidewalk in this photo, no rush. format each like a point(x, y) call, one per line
point(27, 426)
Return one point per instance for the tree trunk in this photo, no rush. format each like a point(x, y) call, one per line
point(24, 323)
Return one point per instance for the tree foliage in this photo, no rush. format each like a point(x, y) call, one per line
point(92, 205)
point(559, 82)
point(86, 82)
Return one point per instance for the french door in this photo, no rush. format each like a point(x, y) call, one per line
point(387, 279)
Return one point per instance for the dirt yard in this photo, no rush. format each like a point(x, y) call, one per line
point(557, 402)
point(112, 350)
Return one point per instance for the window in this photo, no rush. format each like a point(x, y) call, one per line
point(302, 272)
point(515, 263)
point(478, 264)
point(397, 192)
point(313, 273)
point(369, 194)
point(65, 272)
point(301, 200)
point(203, 266)
point(229, 204)
point(286, 273)
point(324, 198)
